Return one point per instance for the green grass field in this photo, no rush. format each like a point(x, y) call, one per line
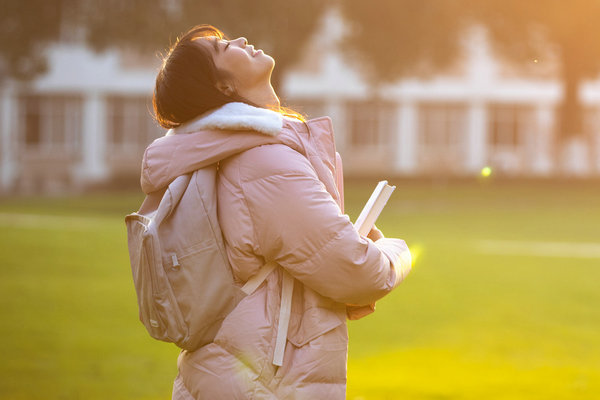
point(503, 301)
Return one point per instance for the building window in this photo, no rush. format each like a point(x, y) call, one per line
point(509, 125)
point(32, 117)
point(442, 125)
point(442, 136)
point(512, 131)
point(130, 125)
point(50, 122)
point(371, 124)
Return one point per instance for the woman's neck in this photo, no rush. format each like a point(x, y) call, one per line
point(263, 97)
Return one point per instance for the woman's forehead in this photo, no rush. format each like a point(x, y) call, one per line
point(212, 41)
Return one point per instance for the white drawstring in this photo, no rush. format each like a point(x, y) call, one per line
point(287, 290)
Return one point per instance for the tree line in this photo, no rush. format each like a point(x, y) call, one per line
point(389, 39)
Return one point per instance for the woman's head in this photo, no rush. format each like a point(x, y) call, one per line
point(203, 70)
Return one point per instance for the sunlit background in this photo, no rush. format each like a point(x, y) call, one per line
point(484, 113)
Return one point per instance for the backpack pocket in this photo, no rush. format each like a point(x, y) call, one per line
point(157, 305)
point(196, 274)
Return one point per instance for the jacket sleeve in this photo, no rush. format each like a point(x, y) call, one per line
point(298, 224)
point(170, 156)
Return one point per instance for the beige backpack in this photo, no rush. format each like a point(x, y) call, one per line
point(181, 273)
point(182, 277)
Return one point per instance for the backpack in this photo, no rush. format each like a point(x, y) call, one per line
point(181, 273)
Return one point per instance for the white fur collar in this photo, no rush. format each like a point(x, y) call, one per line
point(235, 116)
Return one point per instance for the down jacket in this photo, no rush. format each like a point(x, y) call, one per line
point(278, 200)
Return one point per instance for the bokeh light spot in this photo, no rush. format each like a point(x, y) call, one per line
point(486, 171)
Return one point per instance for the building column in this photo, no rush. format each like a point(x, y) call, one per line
point(334, 108)
point(477, 135)
point(406, 138)
point(93, 167)
point(542, 156)
point(8, 162)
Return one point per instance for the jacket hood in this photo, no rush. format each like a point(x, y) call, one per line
point(210, 138)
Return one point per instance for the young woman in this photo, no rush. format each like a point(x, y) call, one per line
point(280, 199)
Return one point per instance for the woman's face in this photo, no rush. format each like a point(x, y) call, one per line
point(248, 67)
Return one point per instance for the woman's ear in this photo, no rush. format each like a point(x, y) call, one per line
point(225, 88)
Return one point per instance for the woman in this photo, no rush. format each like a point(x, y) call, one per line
point(279, 200)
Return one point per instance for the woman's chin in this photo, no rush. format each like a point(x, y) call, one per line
point(271, 59)
point(271, 63)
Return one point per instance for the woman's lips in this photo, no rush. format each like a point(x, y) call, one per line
point(255, 52)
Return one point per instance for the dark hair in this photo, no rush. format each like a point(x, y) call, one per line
point(186, 85)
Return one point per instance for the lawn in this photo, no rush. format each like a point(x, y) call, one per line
point(503, 301)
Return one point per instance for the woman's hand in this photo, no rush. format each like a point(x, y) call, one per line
point(375, 234)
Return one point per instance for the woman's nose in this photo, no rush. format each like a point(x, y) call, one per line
point(241, 41)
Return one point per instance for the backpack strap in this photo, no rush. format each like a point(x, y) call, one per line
point(171, 197)
point(284, 317)
point(287, 290)
point(254, 282)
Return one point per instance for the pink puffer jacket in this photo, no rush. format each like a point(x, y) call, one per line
point(278, 201)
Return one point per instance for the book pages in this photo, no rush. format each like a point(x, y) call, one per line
point(373, 207)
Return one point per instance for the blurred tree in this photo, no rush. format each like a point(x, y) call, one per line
point(281, 29)
point(570, 26)
point(402, 37)
point(138, 25)
point(25, 28)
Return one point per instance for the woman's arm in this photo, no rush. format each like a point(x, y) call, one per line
point(299, 225)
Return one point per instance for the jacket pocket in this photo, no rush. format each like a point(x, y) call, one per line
point(316, 322)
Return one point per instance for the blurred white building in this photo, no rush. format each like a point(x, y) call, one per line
point(88, 119)
point(480, 113)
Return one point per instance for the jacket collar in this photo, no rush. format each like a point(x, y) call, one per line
point(229, 130)
point(237, 117)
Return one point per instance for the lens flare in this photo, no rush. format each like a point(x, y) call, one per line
point(415, 251)
point(486, 171)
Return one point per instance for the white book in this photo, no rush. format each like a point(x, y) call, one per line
point(375, 204)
